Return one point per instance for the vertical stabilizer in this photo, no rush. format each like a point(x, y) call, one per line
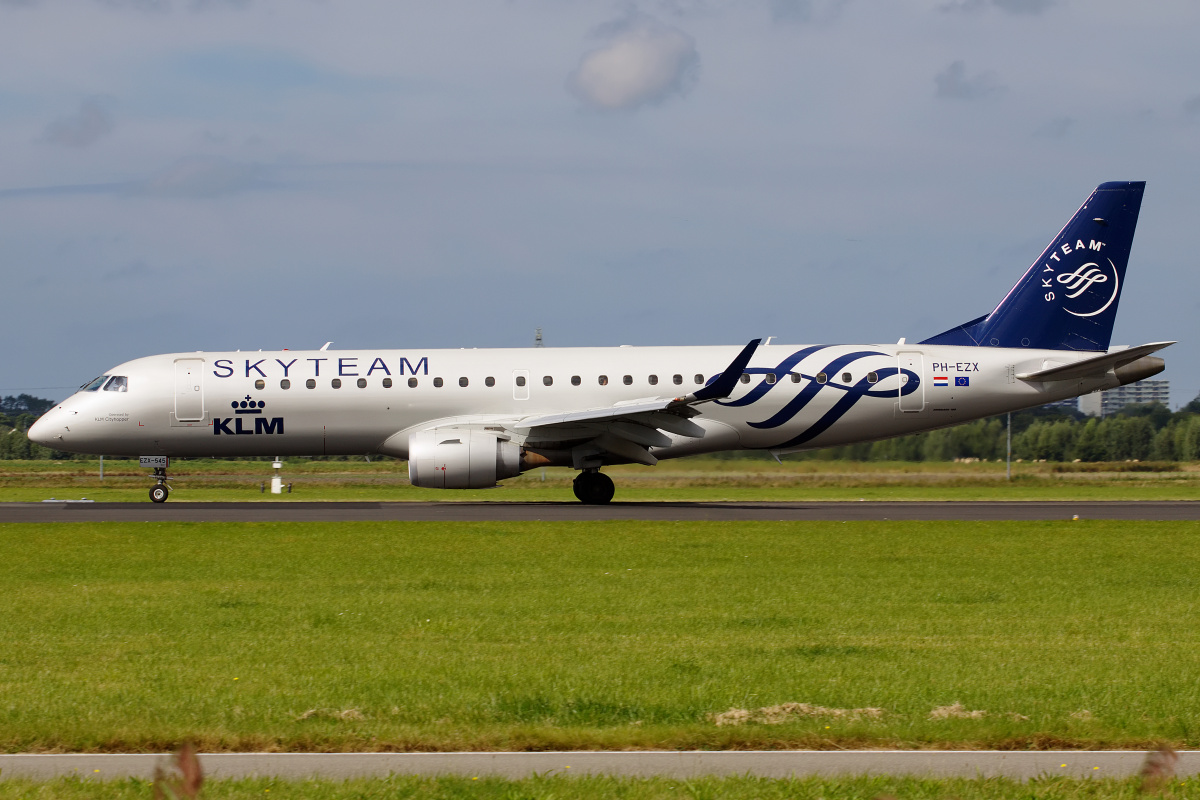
point(1068, 299)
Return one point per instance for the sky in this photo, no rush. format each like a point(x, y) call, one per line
point(185, 175)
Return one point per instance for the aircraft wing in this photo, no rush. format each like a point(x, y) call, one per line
point(1096, 366)
point(630, 429)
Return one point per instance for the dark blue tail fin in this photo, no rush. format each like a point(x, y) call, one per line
point(1068, 299)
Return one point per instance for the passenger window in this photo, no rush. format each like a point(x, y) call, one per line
point(822, 377)
point(412, 383)
point(770, 377)
point(872, 377)
point(489, 381)
point(548, 380)
point(463, 382)
point(603, 379)
point(677, 379)
point(520, 380)
point(575, 380)
point(362, 383)
point(653, 379)
point(846, 377)
point(94, 385)
point(336, 383)
point(745, 378)
point(285, 384)
point(118, 383)
point(437, 383)
point(387, 383)
point(310, 383)
point(627, 380)
point(260, 384)
point(698, 379)
point(796, 377)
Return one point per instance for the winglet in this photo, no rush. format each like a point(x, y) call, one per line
point(724, 384)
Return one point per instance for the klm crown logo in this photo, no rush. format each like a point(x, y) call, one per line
point(249, 405)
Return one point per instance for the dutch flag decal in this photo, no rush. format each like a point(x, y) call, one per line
point(941, 380)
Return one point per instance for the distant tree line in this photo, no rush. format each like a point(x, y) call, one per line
point(1149, 432)
point(16, 415)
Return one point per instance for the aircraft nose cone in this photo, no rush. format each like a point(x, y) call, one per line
point(44, 430)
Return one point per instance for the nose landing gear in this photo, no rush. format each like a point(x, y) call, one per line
point(594, 488)
point(160, 490)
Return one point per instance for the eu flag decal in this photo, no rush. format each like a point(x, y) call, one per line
point(962, 381)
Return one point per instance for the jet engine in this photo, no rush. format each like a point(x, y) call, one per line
point(460, 458)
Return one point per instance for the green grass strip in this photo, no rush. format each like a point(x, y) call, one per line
point(431, 636)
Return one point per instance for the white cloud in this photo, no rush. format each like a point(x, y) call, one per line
point(89, 124)
point(641, 62)
point(954, 83)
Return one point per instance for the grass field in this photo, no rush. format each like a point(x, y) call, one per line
point(692, 479)
point(421, 636)
point(559, 788)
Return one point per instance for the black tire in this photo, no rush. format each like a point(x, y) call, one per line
point(158, 494)
point(594, 488)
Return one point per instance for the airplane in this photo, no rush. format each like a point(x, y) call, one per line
point(469, 418)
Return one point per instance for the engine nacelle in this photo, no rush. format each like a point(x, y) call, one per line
point(460, 458)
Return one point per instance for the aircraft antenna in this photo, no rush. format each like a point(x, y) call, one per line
point(537, 338)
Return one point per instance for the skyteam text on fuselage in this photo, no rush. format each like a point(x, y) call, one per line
point(466, 419)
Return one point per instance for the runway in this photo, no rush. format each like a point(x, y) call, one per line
point(1018, 765)
point(282, 511)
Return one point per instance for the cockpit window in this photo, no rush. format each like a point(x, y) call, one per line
point(94, 385)
point(118, 383)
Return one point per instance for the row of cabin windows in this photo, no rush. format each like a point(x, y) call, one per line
point(547, 380)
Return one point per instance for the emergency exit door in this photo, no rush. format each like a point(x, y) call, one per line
point(189, 389)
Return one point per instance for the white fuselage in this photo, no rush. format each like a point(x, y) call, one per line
point(796, 397)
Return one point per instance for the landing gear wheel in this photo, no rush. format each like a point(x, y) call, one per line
point(594, 488)
point(159, 494)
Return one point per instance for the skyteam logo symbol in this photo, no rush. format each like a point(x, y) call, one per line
point(1087, 290)
point(1093, 288)
point(249, 405)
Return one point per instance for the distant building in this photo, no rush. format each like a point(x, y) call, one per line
point(1070, 404)
point(1101, 404)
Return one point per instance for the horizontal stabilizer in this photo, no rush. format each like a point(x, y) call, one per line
point(1096, 366)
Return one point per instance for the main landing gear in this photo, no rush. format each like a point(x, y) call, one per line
point(160, 490)
point(594, 488)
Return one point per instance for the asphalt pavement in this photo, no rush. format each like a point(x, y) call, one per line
point(284, 511)
point(1019, 765)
